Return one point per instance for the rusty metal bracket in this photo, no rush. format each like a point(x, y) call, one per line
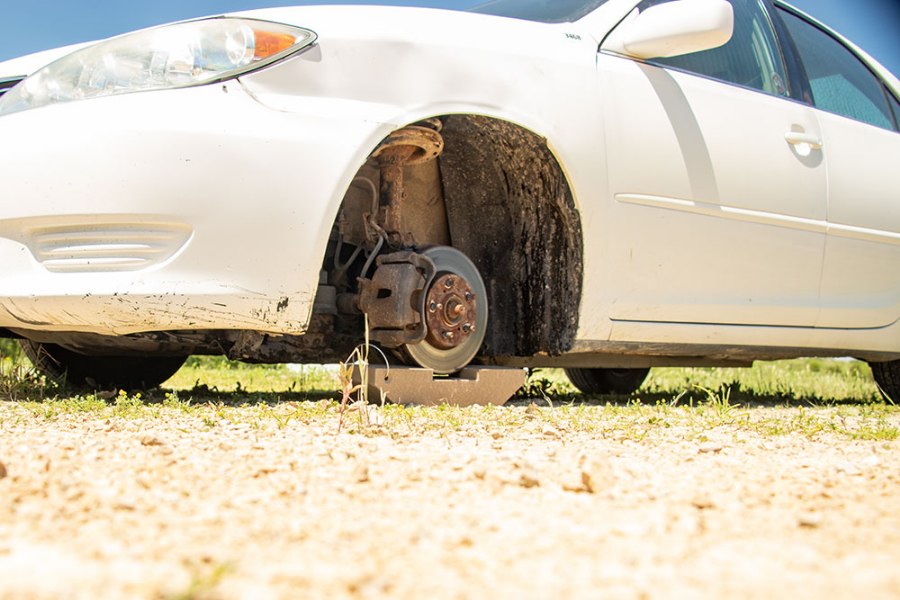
point(474, 385)
point(394, 298)
point(411, 145)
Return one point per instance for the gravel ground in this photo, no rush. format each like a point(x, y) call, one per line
point(223, 503)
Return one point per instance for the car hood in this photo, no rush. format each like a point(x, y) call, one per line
point(425, 26)
point(370, 23)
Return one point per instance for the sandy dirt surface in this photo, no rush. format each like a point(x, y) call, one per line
point(227, 504)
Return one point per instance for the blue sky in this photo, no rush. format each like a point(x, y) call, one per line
point(40, 24)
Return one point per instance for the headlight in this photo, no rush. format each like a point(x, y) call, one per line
point(172, 56)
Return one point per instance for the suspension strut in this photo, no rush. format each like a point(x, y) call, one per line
point(411, 145)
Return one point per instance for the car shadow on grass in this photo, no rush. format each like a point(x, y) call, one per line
point(726, 395)
point(203, 394)
point(731, 395)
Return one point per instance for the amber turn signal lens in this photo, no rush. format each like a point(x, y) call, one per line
point(269, 44)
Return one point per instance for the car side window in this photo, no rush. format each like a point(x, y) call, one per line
point(751, 58)
point(840, 82)
point(895, 105)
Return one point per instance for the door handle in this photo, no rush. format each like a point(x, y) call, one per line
point(796, 138)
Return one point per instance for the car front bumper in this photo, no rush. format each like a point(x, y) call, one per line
point(197, 208)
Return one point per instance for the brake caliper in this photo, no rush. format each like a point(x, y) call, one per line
point(394, 298)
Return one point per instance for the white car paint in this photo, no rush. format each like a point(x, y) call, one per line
point(684, 243)
point(860, 281)
point(728, 203)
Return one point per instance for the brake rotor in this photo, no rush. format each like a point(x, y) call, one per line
point(455, 312)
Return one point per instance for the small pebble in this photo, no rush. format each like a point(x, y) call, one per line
point(871, 461)
point(361, 473)
point(151, 440)
point(711, 448)
point(703, 502)
point(3, 471)
point(529, 480)
point(597, 475)
point(573, 484)
point(809, 520)
point(847, 468)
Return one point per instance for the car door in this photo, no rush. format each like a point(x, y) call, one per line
point(861, 276)
point(719, 185)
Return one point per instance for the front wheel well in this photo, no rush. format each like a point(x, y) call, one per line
point(511, 210)
point(489, 188)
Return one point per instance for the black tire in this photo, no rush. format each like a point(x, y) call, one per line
point(80, 371)
point(607, 381)
point(887, 376)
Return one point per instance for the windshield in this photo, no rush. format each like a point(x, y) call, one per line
point(545, 11)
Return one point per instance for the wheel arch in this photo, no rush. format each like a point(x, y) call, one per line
point(511, 209)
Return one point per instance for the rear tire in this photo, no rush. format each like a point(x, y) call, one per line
point(887, 376)
point(80, 371)
point(607, 381)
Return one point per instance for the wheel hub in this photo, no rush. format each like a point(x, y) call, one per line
point(451, 311)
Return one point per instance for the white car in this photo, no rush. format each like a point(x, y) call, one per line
point(599, 185)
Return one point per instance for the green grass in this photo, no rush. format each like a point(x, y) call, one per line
point(217, 374)
point(810, 381)
point(802, 381)
point(824, 398)
point(18, 380)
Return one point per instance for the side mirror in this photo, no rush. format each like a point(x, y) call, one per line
point(674, 28)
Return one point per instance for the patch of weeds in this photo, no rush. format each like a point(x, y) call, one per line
point(221, 412)
point(307, 411)
point(880, 430)
point(209, 421)
point(869, 423)
point(282, 419)
point(173, 401)
point(800, 381)
point(658, 421)
point(581, 418)
point(548, 385)
point(127, 405)
point(203, 583)
point(357, 365)
point(720, 402)
point(20, 381)
point(808, 424)
point(51, 409)
point(449, 417)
